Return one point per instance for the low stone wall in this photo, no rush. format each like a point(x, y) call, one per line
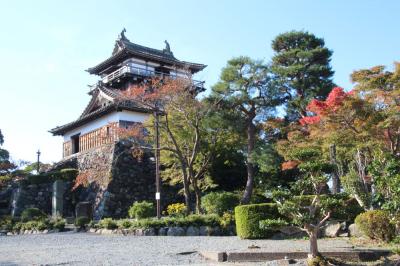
point(29, 232)
point(170, 231)
point(31, 196)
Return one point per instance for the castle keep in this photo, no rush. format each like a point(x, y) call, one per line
point(91, 142)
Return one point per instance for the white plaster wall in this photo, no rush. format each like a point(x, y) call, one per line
point(105, 120)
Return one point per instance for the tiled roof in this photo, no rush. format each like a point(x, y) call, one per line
point(125, 49)
point(88, 115)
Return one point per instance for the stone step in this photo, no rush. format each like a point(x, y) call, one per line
point(254, 256)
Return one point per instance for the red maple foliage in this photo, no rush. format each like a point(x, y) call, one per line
point(290, 165)
point(321, 108)
point(81, 180)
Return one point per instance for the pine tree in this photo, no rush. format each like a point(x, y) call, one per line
point(302, 70)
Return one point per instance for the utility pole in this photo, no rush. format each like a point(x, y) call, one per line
point(38, 161)
point(157, 155)
point(335, 175)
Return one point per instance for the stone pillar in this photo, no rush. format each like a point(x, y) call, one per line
point(58, 198)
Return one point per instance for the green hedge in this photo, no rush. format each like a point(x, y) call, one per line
point(248, 219)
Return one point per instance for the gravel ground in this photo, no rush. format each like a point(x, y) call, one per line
point(91, 249)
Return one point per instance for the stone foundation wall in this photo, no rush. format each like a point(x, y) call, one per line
point(120, 180)
point(117, 180)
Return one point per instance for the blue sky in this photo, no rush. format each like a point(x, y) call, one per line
point(45, 46)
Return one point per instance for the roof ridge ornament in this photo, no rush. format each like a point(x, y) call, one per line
point(167, 48)
point(122, 36)
point(120, 42)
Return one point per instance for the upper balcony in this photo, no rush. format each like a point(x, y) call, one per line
point(142, 72)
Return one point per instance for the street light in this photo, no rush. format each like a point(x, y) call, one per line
point(38, 161)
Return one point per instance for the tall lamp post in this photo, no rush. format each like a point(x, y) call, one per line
point(38, 161)
point(157, 155)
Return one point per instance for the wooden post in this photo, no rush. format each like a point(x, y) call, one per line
point(335, 175)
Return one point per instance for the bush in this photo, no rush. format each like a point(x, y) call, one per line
point(348, 211)
point(82, 221)
point(190, 220)
point(219, 202)
point(34, 225)
point(248, 219)
point(32, 214)
point(59, 224)
point(227, 219)
point(124, 224)
point(108, 223)
point(17, 227)
point(176, 209)
point(272, 224)
point(6, 223)
point(376, 225)
point(140, 210)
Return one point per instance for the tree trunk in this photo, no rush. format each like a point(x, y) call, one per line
point(313, 243)
point(198, 197)
point(186, 191)
point(251, 136)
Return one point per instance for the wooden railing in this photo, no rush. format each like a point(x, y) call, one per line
point(97, 138)
point(143, 72)
point(67, 148)
point(92, 139)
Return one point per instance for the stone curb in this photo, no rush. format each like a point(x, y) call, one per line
point(214, 255)
point(256, 256)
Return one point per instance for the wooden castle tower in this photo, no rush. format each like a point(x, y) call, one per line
point(129, 64)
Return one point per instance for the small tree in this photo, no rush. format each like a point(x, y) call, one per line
point(308, 212)
point(187, 139)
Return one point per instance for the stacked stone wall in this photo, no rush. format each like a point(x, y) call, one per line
point(117, 180)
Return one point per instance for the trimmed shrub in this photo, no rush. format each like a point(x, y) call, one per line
point(376, 225)
point(124, 224)
point(82, 221)
point(108, 223)
point(34, 225)
point(141, 210)
point(59, 224)
point(176, 209)
point(190, 220)
point(248, 219)
point(17, 227)
point(227, 219)
point(347, 211)
point(32, 214)
point(6, 223)
point(219, 202)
